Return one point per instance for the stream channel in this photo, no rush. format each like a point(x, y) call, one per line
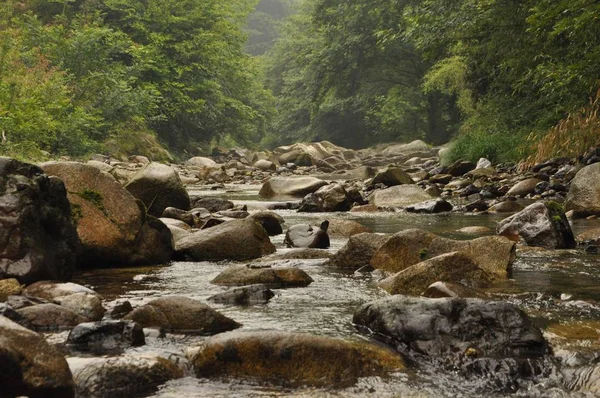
point(560, 290)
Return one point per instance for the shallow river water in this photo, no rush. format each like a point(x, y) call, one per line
point(571, 322)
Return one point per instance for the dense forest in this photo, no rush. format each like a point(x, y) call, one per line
point(498, 78)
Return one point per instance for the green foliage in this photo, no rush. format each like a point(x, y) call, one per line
point(496, 147)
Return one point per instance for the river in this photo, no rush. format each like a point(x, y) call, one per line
point(558, 289)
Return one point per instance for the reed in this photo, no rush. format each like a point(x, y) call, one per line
point(571, 137)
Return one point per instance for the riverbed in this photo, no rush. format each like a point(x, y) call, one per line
point(560, 290)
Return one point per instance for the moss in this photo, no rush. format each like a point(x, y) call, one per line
point(554, 206)
point(557, 219)
point(76, 213)
point(423, 254)
point(93, 197)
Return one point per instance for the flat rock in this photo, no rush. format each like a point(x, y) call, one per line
point(399, 196)
point(181, 315)
point(272, 277)
point(51, 317)
point(285, 187)
point(292, 359)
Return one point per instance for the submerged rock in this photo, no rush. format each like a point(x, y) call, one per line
point(272, 277)
point(292, 359)
point(246, 295)
point(181, 315)
point(540, 224)
point(30, 366)
point(38, 239)
point(233, 240)
point(490, 340)
point(304, 235)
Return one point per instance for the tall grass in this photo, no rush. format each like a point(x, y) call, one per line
point(571, 137)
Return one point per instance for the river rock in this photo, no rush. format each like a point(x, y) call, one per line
point(265, 165)
point(455, 267)
point(181, 315)
point(50, 290)
point(51, 317)
point(38, 239)
point(430, 207)
point(200, 161)
point(213, 205)
point(292, 359)
point(524, 187)
point(9, 287)
point(30, 366)
point(132, 375)
point(106, 336)
point(448, 289)
point(300, 254)
point(460, 168)
point(540, 224)
point(233, 240)
point(345, 228)
point(475, 230)
point(271, 277)
point(358, 252)
point(246, 295)
point(584, 193)
point(328, 198)
point(399, 196)
point(493, 254)
point(390, 177)
point(483, 163)
point(270, 221)
point(88, 306)
point(158, 186)
point(508, 206)
point(112, 225)
point(413, 149)
point(485, 340)
point(304, 235)
point(284, 187)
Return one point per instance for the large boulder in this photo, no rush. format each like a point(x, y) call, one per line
point(584, 193)
point(158, 186)
point(233, 240)
point(285, 187)
point(272, 277)
point(112, 225)
point(38, 239)
point(30, 366)
point(493, 254)
point(455, 267)
point(304, 235)
point(483, 340)
point(181, 315)
point(358, 252)
point(391, 176)
point(399, 196)
point(131, 375)
point(292, 359)
point(540, 224)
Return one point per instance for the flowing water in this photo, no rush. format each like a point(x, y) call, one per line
point(570, 321)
